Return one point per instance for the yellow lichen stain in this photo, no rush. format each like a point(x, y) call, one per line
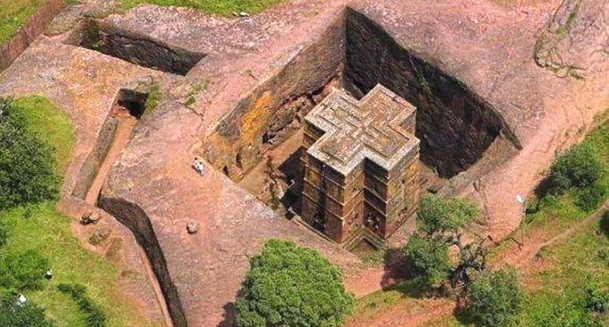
point(255, 118)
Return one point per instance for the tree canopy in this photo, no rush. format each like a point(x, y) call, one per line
point(437, 215)
point(292, 286)
point(440, 222)
point(22, 270)
point(27, 173)
point(576, 167)
point(13, 314)
point(429, 258)
point(495, 298)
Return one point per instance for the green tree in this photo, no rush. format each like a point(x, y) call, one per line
point(437, 215)
point(23, 270)
point(495, 299)
point(21, 315)
point(440, 222)
point(26, 162)
point(290, 286)
point(429, 258)
point(577, 167)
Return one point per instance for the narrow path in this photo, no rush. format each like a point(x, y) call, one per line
point(521, 259)
point(125, 126)
point(160, 297)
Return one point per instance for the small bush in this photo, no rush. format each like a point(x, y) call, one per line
point(21, 315)
point(23, 270)
point(94, 315)
point(596, 299)
point(590, 197)
point(577, 167)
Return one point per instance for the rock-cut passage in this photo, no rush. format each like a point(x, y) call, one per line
point(115, 132)
point(137, 49)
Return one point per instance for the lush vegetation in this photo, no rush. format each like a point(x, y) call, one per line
point(27, 174)
point(292, 286)
point(218, 7)
point(440, 222)
point(580, 173)
point(495, 299)
point(94, 316)
point(14, 314)
point(34, 238)
point(15, 13)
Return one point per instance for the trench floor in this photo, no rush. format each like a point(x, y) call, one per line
point(125, 126)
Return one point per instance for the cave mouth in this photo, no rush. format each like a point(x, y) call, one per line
point(455, 125)
point(132, 102)
point(138, 49)
point(127, 109)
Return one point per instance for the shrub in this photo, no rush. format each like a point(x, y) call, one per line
point(596, 299)
point(23, 270)
point(495, 299)
point(577, 167)
point(292, 286)
point(27, 173)
point(21, 315)
point(590, 197)
point(94, 315)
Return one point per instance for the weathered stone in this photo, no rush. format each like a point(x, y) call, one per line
point(99, 236)
point(192, 227)
point(90, 217)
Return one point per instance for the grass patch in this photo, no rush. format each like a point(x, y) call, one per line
point(15, 13)
point(580, 264)
point(39, 228)
point(49, 234)
point(51, 124)
point(216, 7)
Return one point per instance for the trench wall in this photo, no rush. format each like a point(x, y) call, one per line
point(237, 143)
point(91, 166)
point(21, 40)
point(455, 126)
point(132, 216)
point(135, 48)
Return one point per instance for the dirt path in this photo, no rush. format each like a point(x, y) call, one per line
point(531, 251)
point(126, 123)
point(521, 259)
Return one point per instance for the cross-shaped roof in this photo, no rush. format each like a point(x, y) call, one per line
point(370, 128)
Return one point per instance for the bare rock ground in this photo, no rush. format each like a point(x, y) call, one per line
point(488, 46)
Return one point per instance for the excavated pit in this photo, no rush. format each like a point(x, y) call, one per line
point(455, 125)
point(135, 48)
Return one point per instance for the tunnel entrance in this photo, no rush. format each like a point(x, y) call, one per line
point(128, 107)
point(135, 48)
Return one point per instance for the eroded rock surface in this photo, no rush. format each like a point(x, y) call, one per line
point(481, 49)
